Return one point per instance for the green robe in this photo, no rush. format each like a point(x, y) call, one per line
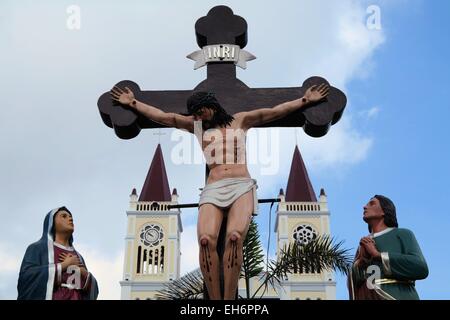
point(401, 260)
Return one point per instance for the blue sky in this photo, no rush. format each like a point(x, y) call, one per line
point(409, 159)
point(56, 151)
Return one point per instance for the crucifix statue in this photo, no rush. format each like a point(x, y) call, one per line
point(219, 111)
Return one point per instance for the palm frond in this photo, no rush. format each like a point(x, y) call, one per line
point(319, 254)
point(189, 286)
point(253, 256)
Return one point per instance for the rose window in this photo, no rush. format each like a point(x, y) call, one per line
point(151, 235)
point(304, 233)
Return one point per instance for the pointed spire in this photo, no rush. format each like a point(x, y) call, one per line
point(299, 188)
point(174, 191)
point(133, 192)
point(156, 185)
point(281, 192)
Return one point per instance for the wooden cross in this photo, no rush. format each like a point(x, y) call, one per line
point(222, 36)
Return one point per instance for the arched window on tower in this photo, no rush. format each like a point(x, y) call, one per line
point(150, 261)
point(155, 206)
point(138, 264)
point(145, 263)
point(161, 260)
point(155, 266)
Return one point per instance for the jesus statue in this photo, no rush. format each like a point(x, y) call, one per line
point(229, 191)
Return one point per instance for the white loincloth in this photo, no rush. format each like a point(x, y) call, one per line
point(224, 192)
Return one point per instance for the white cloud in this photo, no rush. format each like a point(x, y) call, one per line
point(370, 113)
point(373, 112)
point(10, 261)
point(346, 146)
point(189, 249)
point(9, 271)
point(107, 269)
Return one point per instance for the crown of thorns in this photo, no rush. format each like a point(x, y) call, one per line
point(202, 99)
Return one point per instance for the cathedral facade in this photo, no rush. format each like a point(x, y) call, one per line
point(152, 241)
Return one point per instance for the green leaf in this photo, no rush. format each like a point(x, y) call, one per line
point(253, 256)
point(189, 286)
point(314, 256)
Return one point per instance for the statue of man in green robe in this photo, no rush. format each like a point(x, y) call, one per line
point(389, 260)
